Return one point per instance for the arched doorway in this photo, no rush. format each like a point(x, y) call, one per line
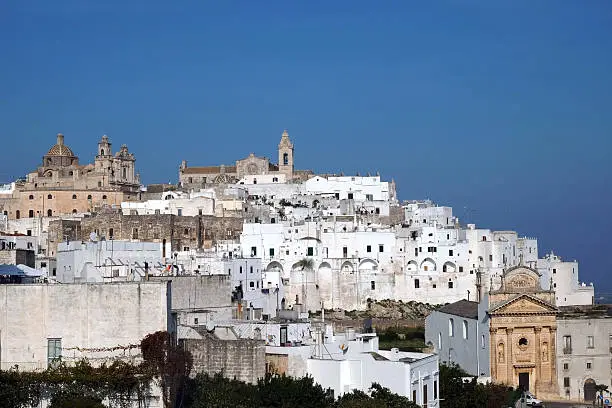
point(590, 392)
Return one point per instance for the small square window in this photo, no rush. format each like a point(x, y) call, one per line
point(450, 284)
point(566, 367)
point(589, 365)
point(566, 381)
point(416, 284)
point(372, 285)
point(450, 252)
point(381, 248)
point(369, 248)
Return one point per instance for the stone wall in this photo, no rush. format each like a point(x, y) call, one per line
point(36, 203)
point(197, 293)
point(17, 257)
point(178, 231)
point(95, 321)
point(242, 359)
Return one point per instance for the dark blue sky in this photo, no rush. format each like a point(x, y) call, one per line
point(501, 110)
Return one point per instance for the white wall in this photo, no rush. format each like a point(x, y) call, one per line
point(106, 260)
point(86, 317)
point(568, 289)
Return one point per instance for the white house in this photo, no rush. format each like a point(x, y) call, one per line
point(107, 261)
point(564, 277)
point(350, 361)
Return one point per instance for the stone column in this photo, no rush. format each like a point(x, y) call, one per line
point(509, 359)
point(552, 356)
point(493, 352)
point(538, 360)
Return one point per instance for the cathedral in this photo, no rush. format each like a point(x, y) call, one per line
point(63, 186)
point(198, 177)
point(523, 326)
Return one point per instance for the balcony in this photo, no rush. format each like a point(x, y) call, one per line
point(567, 350)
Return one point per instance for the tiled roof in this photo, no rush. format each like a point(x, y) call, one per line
point(208, 170)
point(463, 308)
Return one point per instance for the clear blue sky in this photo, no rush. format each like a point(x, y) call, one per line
point(501, 109)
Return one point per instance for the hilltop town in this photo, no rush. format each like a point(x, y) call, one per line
point(257, 267)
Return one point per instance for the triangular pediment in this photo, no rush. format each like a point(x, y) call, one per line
point(523, 304)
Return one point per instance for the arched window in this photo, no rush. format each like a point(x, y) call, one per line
point(124, 173)
point(17, 214)
point(89, 197)
point(49, 197)
point(285, 158)
point(49, 212)
point(451, 327)
point(104, 197)
point(31, 197)
point(31, 213)
point(465, 329)
point(101, 152)
point(74, 211)
point(74, 197)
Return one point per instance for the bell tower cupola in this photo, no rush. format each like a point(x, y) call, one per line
point(285, 155)
point(104, 147)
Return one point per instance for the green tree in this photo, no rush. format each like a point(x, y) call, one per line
point(75, 401)
point(455, 392)
point(19, 389)
point(288, 392)
point(306, 263)
point(358, 399)
point(217, 391)
point(169, 362)
point(601, 388)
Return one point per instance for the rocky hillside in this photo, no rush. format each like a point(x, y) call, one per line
point(385, 309)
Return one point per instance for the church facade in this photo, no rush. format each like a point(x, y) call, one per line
point(62, 186)
point(522, 330)
point(199, 177)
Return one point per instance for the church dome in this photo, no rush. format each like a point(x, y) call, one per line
point(60, 149)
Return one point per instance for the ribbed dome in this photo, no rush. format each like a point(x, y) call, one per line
point(60, 149)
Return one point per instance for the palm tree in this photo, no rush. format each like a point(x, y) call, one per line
point(600, 388)
point(305, 263)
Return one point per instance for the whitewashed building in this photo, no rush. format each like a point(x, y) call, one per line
point(564, 277)
point(349, 361)
point(107, 261)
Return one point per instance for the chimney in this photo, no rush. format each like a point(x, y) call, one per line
point(60, 139)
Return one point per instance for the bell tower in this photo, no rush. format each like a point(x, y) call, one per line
point(285, 155)
point(104, 147)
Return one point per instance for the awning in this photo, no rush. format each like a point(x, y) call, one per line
point(20, 270)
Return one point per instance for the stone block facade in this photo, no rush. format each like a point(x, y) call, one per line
point(182, 233)
point(17, 257)
point(242, 359)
